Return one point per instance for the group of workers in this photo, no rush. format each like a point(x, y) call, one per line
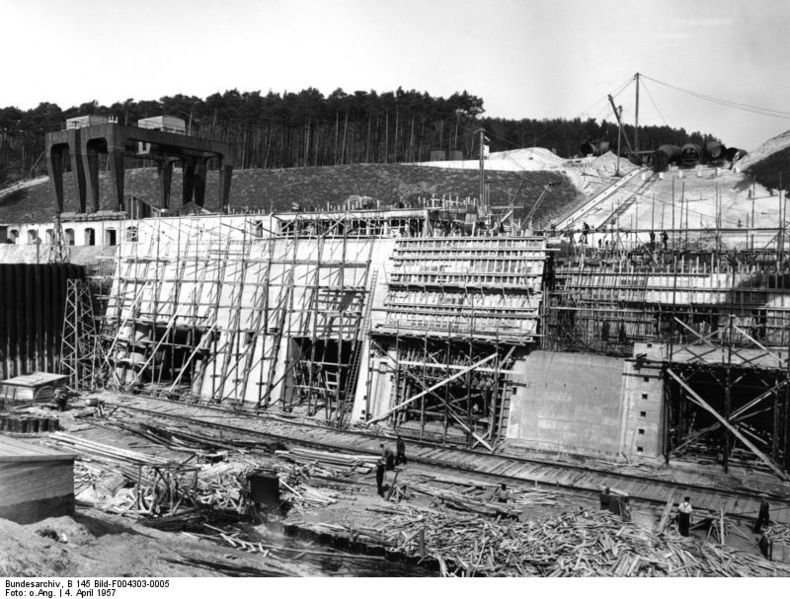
point(618, 504)
point(604, 243)
point(389, 461)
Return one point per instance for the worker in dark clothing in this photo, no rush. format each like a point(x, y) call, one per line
point(62, 399)
point(664, 238)
point(763, 516)
point(684, 517)
point(622, 335)
point(605, 499)
point(389, 459)
point(764, 544)
point(502, 495)
point(400, 451)
point(380, 477)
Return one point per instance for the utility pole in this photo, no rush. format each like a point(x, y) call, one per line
point(618, 110)
point(481, 131)
point(636, 115)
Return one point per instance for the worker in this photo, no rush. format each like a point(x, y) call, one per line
point(762, 516)
point(380, 477)
point(62, 399)
point(400, 451)
point(625, 508)
point(765, 545)
point(605, 498)
point(401, 493)
point(622, 335)
point(684, 517)
point(664, 238)
point(502, 495)
point(388, 457)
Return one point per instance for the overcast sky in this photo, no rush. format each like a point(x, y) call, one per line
point(525, 58)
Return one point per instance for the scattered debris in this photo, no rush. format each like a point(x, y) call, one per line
point(581, 543)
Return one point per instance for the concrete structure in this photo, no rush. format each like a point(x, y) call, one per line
point(84, 140)
point(433, 323)
point(557, 411)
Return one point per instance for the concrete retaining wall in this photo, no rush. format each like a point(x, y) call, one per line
point(569, 402)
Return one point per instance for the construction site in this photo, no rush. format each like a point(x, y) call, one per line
point(227, 380)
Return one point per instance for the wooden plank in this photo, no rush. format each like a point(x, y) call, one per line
point(27, 482)
point(662, 523)
point(15, 450)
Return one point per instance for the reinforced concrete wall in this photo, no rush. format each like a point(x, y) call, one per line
point(567, 402)
point(241, 300)
point(643, 400)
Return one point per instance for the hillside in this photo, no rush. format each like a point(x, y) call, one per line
point(768, 163)
point(265, 189)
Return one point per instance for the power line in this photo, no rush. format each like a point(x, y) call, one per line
point(653, 102)
point(721, 102)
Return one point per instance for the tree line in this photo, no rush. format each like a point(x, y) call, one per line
point(306, 128)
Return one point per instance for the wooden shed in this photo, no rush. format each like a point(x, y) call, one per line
point(36, 482)
point(30, 388)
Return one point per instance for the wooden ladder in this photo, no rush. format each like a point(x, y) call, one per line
point(359, 343)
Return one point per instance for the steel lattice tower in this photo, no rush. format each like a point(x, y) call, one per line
point(80, 346)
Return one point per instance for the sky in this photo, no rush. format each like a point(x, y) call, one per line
point(525, 58)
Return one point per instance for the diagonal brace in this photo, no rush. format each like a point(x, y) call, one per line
point(705, 405)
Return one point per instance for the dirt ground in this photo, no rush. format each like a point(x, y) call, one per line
point(94, 543)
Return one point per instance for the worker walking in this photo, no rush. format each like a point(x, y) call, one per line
point(762, 517)
point(400, 451)
point(684, 517)
point(380, 477)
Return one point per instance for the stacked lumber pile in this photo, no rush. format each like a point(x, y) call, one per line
point(580, 543)
point(463, 503)
point(331, 463)
point(125, 481)
point(125, 461)
point(307, 498)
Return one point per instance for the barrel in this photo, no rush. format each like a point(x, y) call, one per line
point(664, 156)
point(714, 151)
point(690, 155)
